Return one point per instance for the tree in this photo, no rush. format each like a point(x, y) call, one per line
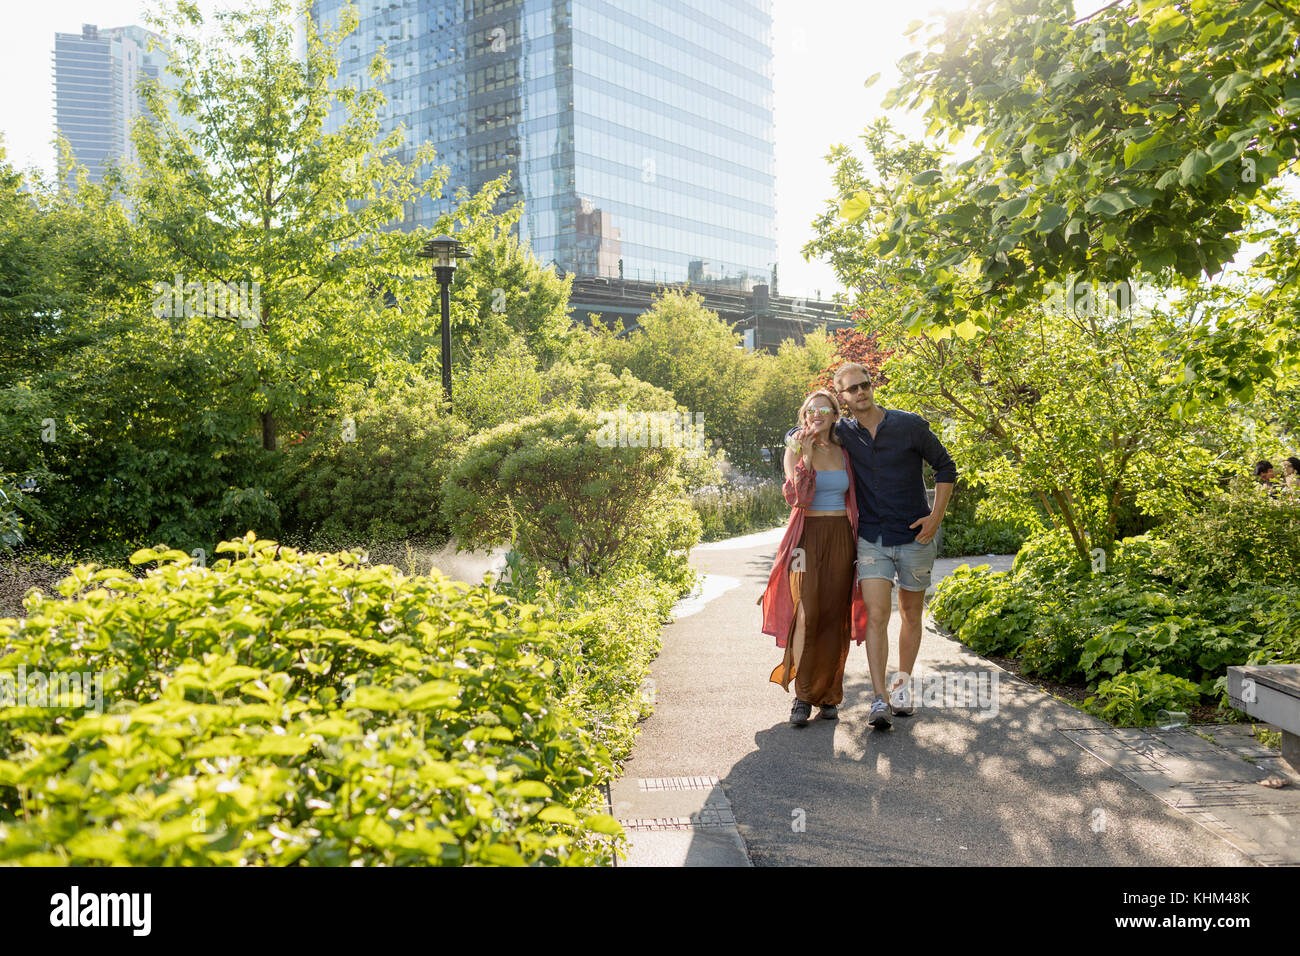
point(850, 345)
point(146, 397)
point(689, 350)
point(245, 186)
point(780, 386)
point(1130, 144)
point(503, 297)
point(1063, 408)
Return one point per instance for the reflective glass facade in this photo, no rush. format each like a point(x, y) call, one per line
point(97, 75)
point(638, 130)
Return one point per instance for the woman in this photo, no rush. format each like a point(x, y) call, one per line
point(812, 598)
point(1291, 472)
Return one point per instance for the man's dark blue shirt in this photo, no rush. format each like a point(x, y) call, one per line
point(887, 475)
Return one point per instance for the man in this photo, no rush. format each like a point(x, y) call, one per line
point(1264, 474)
point(896, 525)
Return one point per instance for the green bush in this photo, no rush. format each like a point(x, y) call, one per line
point(146, 444)
point(1239, 535)
point(1143, 558)
point(729, 511)
point(987, 610)
point(1092, 629)
point(595, 387)
point(1054, 649)
point(609, 632)
point(1135, 699)
point(966, 532)
point(497, 387)
point(374, 472)
point(554, 488)
point(1276, 612)
point(1049, 558)
point(283, 708)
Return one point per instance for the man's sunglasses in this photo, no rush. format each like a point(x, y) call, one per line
point(853, 389)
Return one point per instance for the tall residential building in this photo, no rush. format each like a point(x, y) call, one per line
point(637, 132)
point(97, 76)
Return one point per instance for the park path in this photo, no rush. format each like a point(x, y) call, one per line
point(718, 777)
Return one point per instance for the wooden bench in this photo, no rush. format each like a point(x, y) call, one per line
point(1271, 693)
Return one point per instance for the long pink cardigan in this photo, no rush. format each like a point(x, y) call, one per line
point(777, 601)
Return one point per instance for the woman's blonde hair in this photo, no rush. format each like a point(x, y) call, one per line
point(835, 407)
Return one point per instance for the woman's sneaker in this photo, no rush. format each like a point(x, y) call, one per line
point(879, 716)
point(900, 698)
point(800, 713)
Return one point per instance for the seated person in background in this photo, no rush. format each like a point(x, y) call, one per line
point(1264, 475)
point(1291, 472)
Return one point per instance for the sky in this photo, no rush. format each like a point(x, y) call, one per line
point(824, 51)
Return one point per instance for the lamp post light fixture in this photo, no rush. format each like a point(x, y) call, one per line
point(444, 251)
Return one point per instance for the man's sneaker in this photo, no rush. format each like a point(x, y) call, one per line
point(879, 716)
point(900, 698)
point(829, 712)
point(800, 713)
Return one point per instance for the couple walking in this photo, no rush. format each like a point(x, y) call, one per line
point(857, 492)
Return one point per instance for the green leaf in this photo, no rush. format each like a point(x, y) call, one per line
point(558, 814)
point(1194, 167)
point(1010, 209)
point(1220, 152)
point(603, 823)
point(1168, 179)
point(1229, 87)
point(1109, 204)
point(532, 790)
point(856, 206)
point(498, 854)
point(1049, 217)
point(926, 177)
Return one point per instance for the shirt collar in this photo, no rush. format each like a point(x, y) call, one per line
point(852, 420)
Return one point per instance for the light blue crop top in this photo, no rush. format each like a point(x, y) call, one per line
point(831, 487)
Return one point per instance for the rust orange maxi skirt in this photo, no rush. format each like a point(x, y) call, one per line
point(823, 589)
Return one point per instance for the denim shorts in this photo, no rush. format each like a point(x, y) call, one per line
point(912, 562)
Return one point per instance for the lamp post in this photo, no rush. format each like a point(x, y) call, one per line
point(444, 251)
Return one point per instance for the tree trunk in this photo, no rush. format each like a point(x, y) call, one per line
point(268, 431)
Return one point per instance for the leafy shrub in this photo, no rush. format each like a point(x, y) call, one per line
point(609, 632)
point(965, 531)
point(1239, 535)
point(1049, 558)
point(732, 510)
point(982, 537)
point(1135, 699)
point(1276, 612)
point(1142, 558)
point(548, 486)
point(147, 444)
point(988, 610)
point(374, 473)
point(594, 386)
point(1054, 649)
point(283, 708)
point(497, 387)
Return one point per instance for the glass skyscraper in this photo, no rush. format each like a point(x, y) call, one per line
point(97, 75)
point(638, 131)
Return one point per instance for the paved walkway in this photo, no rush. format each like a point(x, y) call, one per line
point(719, 777)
